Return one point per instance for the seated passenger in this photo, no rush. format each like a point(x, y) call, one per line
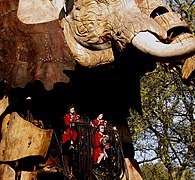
point(100, 145)
point(99, 120)
point(70, 133)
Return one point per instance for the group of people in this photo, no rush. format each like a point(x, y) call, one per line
point(99, 138)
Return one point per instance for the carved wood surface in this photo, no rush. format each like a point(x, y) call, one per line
point(26, 175)
point(3, 104)
point(6, 172)
point(45, 10)
point(132, 172)
point(20, 139)
point(32, 51)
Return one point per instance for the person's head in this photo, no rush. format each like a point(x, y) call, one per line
point(100, 116)
point(72, 109)
point(101, 128)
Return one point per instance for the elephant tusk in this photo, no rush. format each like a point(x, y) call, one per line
point(148, 43)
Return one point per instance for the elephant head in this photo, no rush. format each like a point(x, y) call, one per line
point(93, 27)
point(39, 41)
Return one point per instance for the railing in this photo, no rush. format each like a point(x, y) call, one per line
point(82, 158)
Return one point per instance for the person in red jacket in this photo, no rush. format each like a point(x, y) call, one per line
point(100, 145)
point(70, 120)
point(69, 137)
point(99, 120)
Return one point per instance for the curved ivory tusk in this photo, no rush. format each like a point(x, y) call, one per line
point(148, 43)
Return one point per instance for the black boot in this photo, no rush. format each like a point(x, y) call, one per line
point(102, 170)
point(96, 169)
point(99, 170)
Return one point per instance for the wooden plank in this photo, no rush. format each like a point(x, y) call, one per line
point(132, 172)
point(3, 104)
point(6, 172)
point(27, 175)
point(20, 139)
point(35, 11)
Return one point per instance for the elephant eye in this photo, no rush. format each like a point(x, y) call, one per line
point(158, 11)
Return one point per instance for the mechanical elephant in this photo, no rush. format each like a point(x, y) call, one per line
point(45, 39)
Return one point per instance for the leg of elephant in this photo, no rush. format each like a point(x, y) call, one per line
point(67, 161)
point(128, 151)
point(28, 175)
point(7, 172)
point(66, 168)
point(132, 169)
point(3, 104)
point(133, 174)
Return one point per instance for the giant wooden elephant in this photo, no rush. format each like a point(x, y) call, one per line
point(45, 39)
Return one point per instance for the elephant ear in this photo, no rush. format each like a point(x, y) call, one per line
point(32, 52)
point(39, 11)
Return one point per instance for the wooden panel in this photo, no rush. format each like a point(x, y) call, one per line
point(35, 11)
point(132, 172)
point(3, 104)
point(20, 139)
point(6, 172)
point(26, 175)
point(32, 51)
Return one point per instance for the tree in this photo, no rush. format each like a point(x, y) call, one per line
point(186, 8)
point(158, 171)
point(154, 171)
point(166, 130)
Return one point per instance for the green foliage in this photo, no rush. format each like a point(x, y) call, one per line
point(158, 171)
point(166, 130)
point(186, 8)
point(154, 171)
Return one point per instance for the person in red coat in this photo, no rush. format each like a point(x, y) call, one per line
point(69, 137)
point(100, 144)
point(70, 133)
point(99, 120)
